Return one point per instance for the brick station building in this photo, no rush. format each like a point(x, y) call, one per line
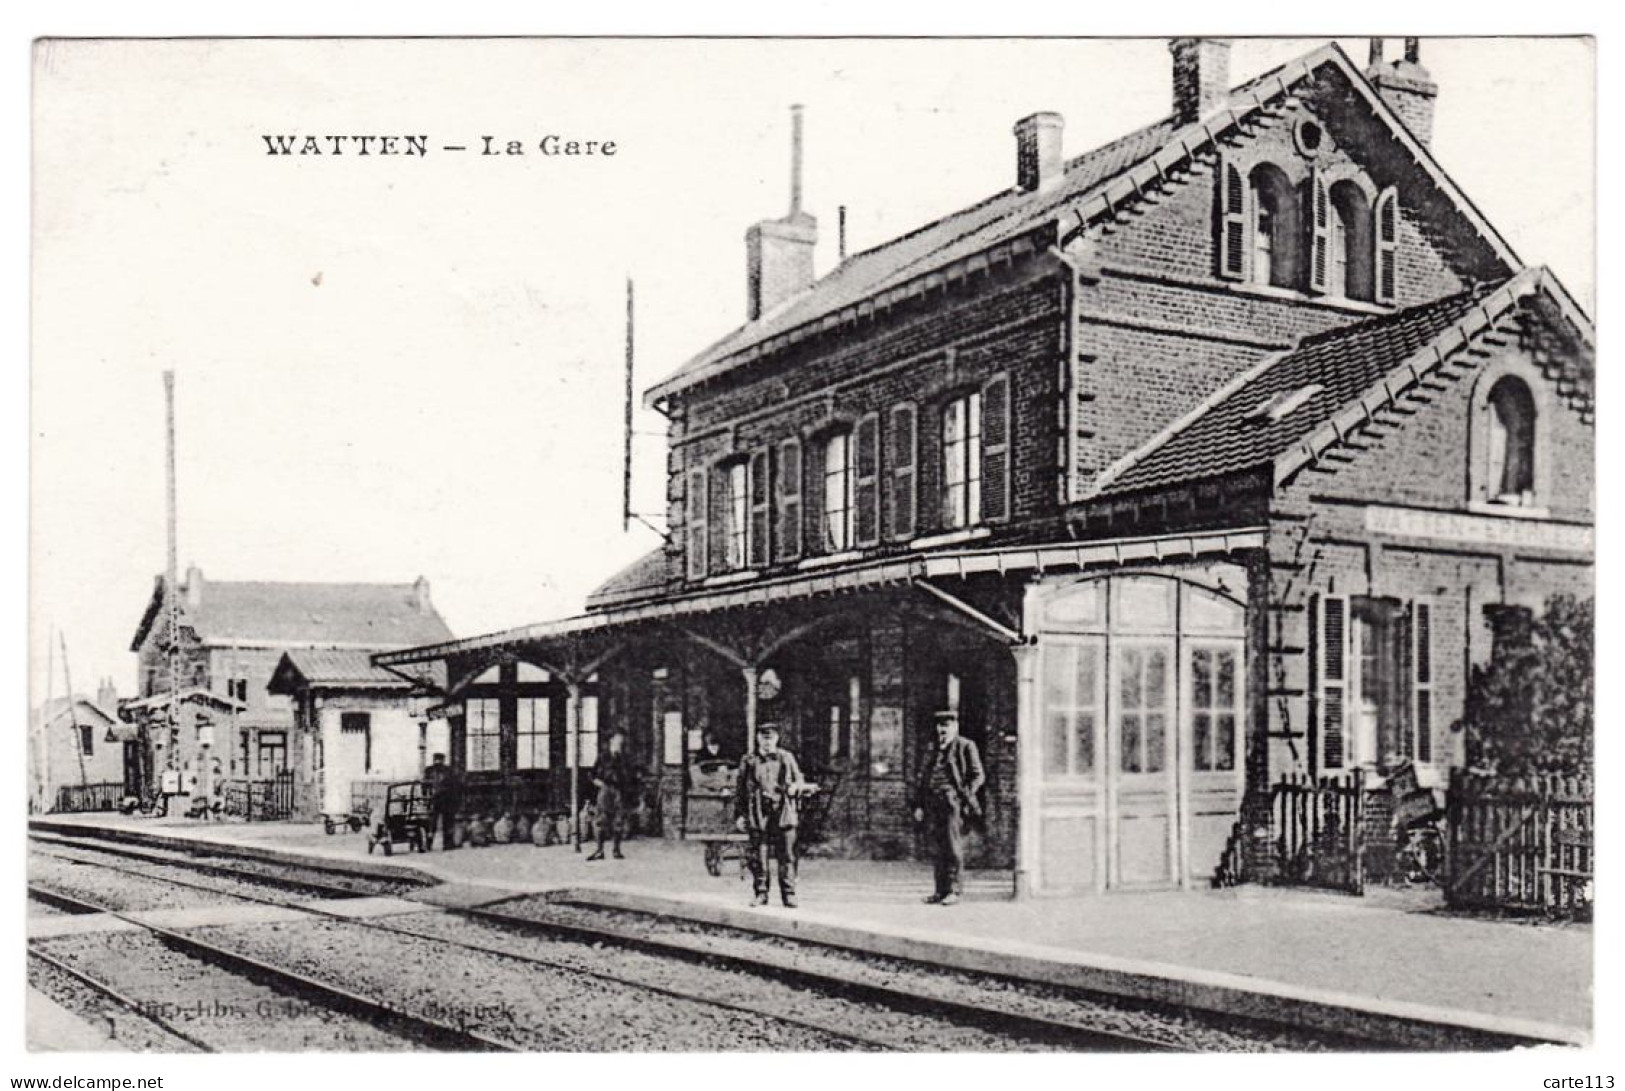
point(1199, 459)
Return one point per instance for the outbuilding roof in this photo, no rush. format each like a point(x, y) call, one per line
point(361, 615)
point(333, 669)
point(641, 579)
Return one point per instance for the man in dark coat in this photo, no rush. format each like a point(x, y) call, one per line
point(440, 790)
point(766, 808)
point(946, 797)
point(617, 780)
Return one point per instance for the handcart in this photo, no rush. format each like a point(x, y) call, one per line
point(407, 819)
point(356, 819)
point(709, 819)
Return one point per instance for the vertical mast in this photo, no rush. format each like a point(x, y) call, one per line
point(626, 451)
point(43, 735)
point(172, 576)
point(73, 716)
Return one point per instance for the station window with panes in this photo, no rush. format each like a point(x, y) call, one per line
point(962, 462)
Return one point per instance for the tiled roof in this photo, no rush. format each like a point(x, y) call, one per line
point(335, 668)
point(365, 615)
point(1235, 429)
point(998, 218)
point(642, 578)
point(57, 709)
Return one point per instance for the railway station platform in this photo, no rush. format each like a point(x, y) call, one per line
point(51, 1028)
point(1393, 952)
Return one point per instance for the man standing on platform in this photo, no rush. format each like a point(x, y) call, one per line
point(765, 807)
point(946, 798)
point(440, 792)
point(617, 781)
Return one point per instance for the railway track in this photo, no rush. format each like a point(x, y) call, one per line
point(799, 983)
point(410, 1027)
point(1027, 1031)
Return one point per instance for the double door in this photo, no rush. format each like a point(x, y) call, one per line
point(1143, 772)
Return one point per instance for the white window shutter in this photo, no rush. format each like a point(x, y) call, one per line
point(1421, 659)
point(904, 476)
point(697, 523)
point(1386, 241)
point(1233, 242)
point(1320, 232)
point(761, 493)
point(1331, 670)
point(789, 495)
point(866, 472)
point(996, 450)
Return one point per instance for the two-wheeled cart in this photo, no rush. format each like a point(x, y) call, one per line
point(407, 819)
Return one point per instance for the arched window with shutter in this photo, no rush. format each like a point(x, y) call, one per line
point(1273, 227)
point(1320, 234)
point(1387, 245)
point(1232, 223)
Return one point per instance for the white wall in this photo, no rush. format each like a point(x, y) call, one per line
point(395, 754)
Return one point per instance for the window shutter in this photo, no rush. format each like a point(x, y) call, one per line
point(1232, 223)
point(904, 457)
point(995, 449)
point(1421, 657)
point(789, 491)
point(696, 513)
point(761, 494)
point(1331, 660)
point(1320, 232)
point(1387, 243)
point(866, 465)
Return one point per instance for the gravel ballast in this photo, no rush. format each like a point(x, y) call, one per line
point(530, 1007)
point(228, 1012)
point(1178, 1029)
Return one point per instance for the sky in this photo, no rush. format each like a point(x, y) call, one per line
point(393, 366)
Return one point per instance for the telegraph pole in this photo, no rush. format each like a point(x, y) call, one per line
point(172, 573)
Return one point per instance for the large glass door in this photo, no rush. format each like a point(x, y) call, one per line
point(1211, 751)
point(1144, 791)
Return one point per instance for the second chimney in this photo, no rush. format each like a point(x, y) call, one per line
point(779, 253)
point(1038, 151)
point(1406, 87)
point(1201, 76)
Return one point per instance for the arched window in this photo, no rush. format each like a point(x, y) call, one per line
point(1510, 473)
point(1349, 241)
point(1273, 228)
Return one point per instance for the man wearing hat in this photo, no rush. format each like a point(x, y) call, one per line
point(765, 808)
point(946, 797)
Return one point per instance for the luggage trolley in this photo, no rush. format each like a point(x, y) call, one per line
point(408, 819)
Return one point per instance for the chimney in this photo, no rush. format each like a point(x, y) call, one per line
point(193, 586)
point(779, 253)
point(1201, 76)
point(1406, 87)
point(420, 595)
point(1038, 151)
point(107, 697)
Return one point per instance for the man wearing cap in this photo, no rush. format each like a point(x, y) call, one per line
point(947, 796)
point(765, 808)
point(616, 778)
